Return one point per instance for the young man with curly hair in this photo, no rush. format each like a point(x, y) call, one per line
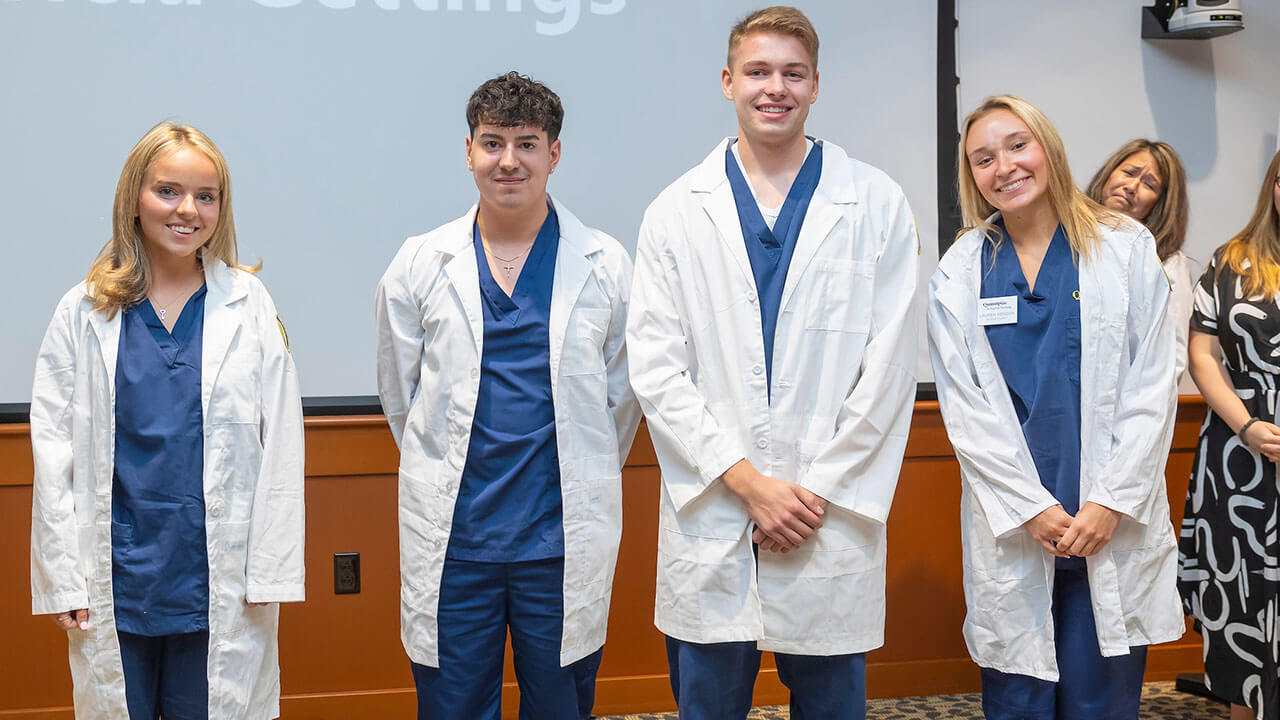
point(502, 372)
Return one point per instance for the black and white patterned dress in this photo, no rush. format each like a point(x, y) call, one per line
point(1229, 576)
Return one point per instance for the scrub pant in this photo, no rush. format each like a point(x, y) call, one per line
point(478, 603)
point(166, 676)
point(1090, 687)
point(714, 681)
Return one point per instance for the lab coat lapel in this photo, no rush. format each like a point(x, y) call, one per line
point(108, 334)
point(710, 180)
point(220, 324)
point(572, 269)
point(464, 275)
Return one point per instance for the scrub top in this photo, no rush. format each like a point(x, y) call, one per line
point(1039, 356)
point(509, 506)
point(770, 250)
point(159, 559)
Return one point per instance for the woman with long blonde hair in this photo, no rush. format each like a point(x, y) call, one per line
point(1053, 361)
point(1229, 576)
point(166, 428)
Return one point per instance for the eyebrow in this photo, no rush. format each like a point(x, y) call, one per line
point(160, 181)
point(496, 136)
point(1014, 134)
point(751, 64)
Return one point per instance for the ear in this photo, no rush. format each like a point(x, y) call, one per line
point(813, 98)
point(468, 152)
point(726, 83)
point(555, 154)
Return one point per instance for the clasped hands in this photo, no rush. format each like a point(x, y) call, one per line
point(1062, 535)
point(785, 514)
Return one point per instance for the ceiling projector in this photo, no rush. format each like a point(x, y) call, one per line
point(1192, 18)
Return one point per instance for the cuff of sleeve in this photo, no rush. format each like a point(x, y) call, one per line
point(63, 602)
point(826, 486)
point(1009, 523)
point(1099, 496)
point(275, 593)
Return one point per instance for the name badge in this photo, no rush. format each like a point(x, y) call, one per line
point(998, 310)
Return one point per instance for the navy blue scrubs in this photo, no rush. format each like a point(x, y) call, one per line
point(159, 560)
point(1039, 357)
point(504, 566)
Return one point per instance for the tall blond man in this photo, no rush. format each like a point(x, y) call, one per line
point(773, 333)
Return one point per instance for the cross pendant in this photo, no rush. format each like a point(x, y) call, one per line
point(508, 268)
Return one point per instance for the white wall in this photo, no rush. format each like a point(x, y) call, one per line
point(1085, 64)
point(344, 129)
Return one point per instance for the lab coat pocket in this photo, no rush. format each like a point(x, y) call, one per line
point(237, 391)
point(421, 534)
point(583, 351)
point(837, 295)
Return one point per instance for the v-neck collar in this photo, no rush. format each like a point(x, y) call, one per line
point(506, 305)
point(1052, 258)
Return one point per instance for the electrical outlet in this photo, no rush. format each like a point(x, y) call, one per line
point(346, 573)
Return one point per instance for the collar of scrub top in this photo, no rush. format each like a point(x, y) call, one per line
point(1058, 246)
point(790, 217)
point(172, 343)
point(505, 306)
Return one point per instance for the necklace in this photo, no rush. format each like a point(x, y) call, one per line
point(185, 293)
point(507, 264)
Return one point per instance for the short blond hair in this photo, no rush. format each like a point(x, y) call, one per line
point(778, 20)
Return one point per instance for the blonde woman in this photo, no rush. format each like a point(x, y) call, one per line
point(1228, 577)
point(1053, 360)
point(1145, 180)
point(166, 427)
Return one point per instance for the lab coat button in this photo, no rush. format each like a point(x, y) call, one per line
point(762, 444)
point(475, 373)
point(751, 298)
point(757, 370)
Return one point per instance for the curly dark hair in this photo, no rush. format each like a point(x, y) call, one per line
point(512, 100)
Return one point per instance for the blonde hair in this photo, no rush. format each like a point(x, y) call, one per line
point(1078, 214)
point(1254, 253)
point(120, 276)
point(1167, 219)
point(779, 20)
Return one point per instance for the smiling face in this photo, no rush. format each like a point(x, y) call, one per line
point(771, 82)
point(1134, 186)
point(1008, 163)
point(178, 203)
point(511, 166)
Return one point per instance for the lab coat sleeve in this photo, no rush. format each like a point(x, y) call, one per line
point(1180, 303)
point(57, 582)
point(400, 336)
point(623, 407)
point(999, 474)
point(1146, 398)
point(692, 447)
point(274, 565)
point(858, 468)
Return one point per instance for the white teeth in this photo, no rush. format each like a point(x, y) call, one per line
point(182, 228)
point(1013, 185)
point(773, 109)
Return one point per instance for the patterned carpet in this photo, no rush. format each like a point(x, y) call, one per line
point(1160, 701)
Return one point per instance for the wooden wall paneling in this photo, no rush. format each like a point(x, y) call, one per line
point(341, 655)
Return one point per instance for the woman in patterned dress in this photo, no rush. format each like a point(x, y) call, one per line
point(1230, 568)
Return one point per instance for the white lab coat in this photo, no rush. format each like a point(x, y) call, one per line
point(1182, 280)
point(253, 491)
point(843, 392)
point(430, 332)
point(1127, 404)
